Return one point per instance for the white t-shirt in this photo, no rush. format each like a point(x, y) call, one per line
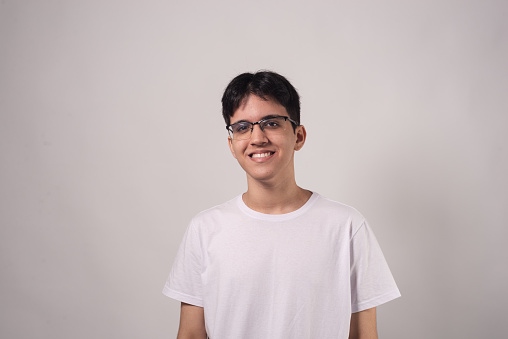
point(294, 275)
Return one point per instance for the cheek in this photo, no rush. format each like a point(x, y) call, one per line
point(289, 144)
point(231, 148)
point(237, 150)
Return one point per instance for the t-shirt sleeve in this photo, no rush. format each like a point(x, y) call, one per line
point(372, 283)
point(184, 281)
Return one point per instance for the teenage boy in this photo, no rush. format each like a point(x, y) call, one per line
point(277, 261)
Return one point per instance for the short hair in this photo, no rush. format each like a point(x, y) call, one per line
point(264, 84)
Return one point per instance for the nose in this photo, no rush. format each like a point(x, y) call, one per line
point(258, 135)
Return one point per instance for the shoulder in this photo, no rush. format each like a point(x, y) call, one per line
point(216, 214)
point(334, 210)
point(324, 204)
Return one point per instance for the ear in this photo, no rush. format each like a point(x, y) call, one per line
point(230, 143)
point(301, 136)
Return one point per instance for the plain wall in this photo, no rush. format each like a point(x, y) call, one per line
point(111, 139)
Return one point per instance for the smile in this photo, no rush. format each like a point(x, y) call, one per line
point(261, 155)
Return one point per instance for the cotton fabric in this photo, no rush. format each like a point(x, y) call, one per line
point(295, 275)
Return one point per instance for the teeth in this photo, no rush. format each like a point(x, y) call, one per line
point(261, 155)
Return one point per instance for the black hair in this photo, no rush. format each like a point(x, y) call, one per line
point(264, 84)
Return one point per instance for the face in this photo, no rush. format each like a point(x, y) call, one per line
point(267, 160)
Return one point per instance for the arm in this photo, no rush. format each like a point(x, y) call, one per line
point(192, 322)
point(363, 325)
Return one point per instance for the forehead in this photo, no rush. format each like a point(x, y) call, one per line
point(254, 108)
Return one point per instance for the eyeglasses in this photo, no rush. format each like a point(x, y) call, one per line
point(272, 125)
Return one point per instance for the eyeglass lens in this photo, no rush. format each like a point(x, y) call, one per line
point(272, 126)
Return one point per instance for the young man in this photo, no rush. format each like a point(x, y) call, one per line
point(278, 261)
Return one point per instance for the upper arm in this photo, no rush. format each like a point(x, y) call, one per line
point(363, 325)
point(192, 322)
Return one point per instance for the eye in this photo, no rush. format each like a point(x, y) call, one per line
point(240, 128)
point(271, 124)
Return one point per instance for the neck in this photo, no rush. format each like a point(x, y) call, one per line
point(280, 198)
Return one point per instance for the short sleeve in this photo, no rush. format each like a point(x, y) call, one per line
point(372, 283)
point(184, 283)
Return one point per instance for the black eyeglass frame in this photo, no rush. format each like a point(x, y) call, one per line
point(230, 130)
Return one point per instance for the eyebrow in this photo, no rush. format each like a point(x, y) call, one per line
point(269, 116)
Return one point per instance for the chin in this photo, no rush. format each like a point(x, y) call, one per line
point(261, 177)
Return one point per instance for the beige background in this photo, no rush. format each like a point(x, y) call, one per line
point(111, 139)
